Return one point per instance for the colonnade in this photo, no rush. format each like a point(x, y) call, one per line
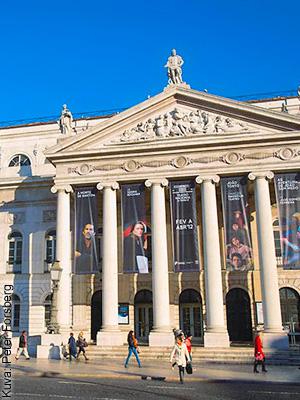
point(216, 334)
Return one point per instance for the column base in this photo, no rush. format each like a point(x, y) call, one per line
point(216, 339)
point(275, 340)
point(161, 339)
point(52, 346)
point(111, 338)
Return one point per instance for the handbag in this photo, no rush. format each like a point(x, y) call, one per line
point(138, 349)
point(259, 359)
point(189, 368)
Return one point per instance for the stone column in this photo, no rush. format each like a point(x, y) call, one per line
point(110, 333)
point(274, 336)
point(161, 334)
point(63, 255)
point(215, 334)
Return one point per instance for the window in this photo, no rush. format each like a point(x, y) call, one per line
point(47, 306)
point(50, 249)
point(277, 240)
point(19, 160)
point(14, 264)
point(15, 321)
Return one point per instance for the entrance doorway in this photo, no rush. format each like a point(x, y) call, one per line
point(238, 316)
point(190, 310)
point(290, 311)
point(96, 317)
point(143, 315)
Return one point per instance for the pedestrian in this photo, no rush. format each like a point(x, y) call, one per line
point(259, 356)
point(188, 343)
point(181, 357)
point(23, 346)
point(72, 347)
point(132, 348)
point(81, 344)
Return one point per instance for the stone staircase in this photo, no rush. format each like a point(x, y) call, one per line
point(236, 355)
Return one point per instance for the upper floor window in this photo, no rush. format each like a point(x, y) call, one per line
point(50, 249)
point(47, 307)
point(277, 241)
point(15, 242)
point(19, 160)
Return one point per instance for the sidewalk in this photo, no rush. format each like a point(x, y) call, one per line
point(152, 370)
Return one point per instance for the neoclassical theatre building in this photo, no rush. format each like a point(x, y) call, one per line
point(179, 135)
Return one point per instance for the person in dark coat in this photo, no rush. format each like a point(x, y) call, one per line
point(135, 249)
point(259, 354)
point(72, 347)
point(22, 346)
point(132, 348)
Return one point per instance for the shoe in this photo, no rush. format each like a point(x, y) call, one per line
point(182, 382)
point(28, 358)
point(173, 369)
point(257, 372)
point(126, 366)
point(264, 370)
point(86, 359)
point(140, 366)
point(16, 358)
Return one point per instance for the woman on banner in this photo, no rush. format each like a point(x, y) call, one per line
point(86, 250)
point(135, 249)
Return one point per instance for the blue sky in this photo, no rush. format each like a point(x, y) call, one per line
point(100, 55)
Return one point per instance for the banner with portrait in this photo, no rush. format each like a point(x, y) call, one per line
point(238, 246)
point(86, 228)
point(184, 226)
point(287, 187)
point(135, 242)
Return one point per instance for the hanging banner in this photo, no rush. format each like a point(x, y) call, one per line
point(86, 227)
point(184, 226)
point(238, 247)
point(287, 188)
point(135, 244)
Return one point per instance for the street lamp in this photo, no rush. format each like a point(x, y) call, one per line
point(55, 274)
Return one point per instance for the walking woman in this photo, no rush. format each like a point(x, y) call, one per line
point(72, 347)
point(132, 348)
point(181, 356)
point(259, 356)
point(81, 344)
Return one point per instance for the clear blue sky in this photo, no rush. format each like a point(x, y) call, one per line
point(99, 55)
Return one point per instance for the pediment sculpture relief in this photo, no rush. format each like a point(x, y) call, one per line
point(179, 123)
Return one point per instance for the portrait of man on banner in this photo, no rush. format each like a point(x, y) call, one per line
point(287, 188)
point(86, 248)
point(238, 247)
point(135, 241)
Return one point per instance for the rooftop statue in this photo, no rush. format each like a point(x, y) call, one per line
point(174, 68)
point(65, 121)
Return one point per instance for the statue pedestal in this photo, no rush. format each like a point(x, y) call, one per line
point(52, 346)
point(173, 85)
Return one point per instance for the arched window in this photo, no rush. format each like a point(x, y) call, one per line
point(277, 241)
point(50, 249)
point(47, 307)
point(15, 320)
point(14, 263)
point(20, 160)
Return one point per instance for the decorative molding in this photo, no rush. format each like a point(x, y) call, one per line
point(49, 215)
point(108, 185)
point(207, 178)
point(232, 157)
point(67, 188)
point(159, 181)
point(180, 162)
point(258, 156)
point(286, 153)
point(16, 218)
point(260, 175)
point(179, 123)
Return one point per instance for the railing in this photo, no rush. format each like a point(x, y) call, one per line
point(13, 267)
point(262, 96)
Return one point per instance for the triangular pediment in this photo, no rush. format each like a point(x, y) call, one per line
point(177, 114)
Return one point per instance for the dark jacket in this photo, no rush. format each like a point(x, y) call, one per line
point(72, 345)
point(22, 341)
point(131, 342)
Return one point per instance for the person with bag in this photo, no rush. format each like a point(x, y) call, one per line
point(22, 346)
point(181, 357)
point(72, 347)
point(132, 348)
point(81, 344)
point(259, 356)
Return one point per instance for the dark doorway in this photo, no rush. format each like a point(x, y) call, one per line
point(238, 316)
point(191, 318)
point(96, 318)
point(290, 311)
point(143, 315)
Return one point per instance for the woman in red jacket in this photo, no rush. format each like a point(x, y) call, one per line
point(259, 354)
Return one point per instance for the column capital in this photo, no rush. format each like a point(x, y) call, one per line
point(268, 175)
point(113, 185)
point(207, 178)
point(159, 181)
point(66, 187)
